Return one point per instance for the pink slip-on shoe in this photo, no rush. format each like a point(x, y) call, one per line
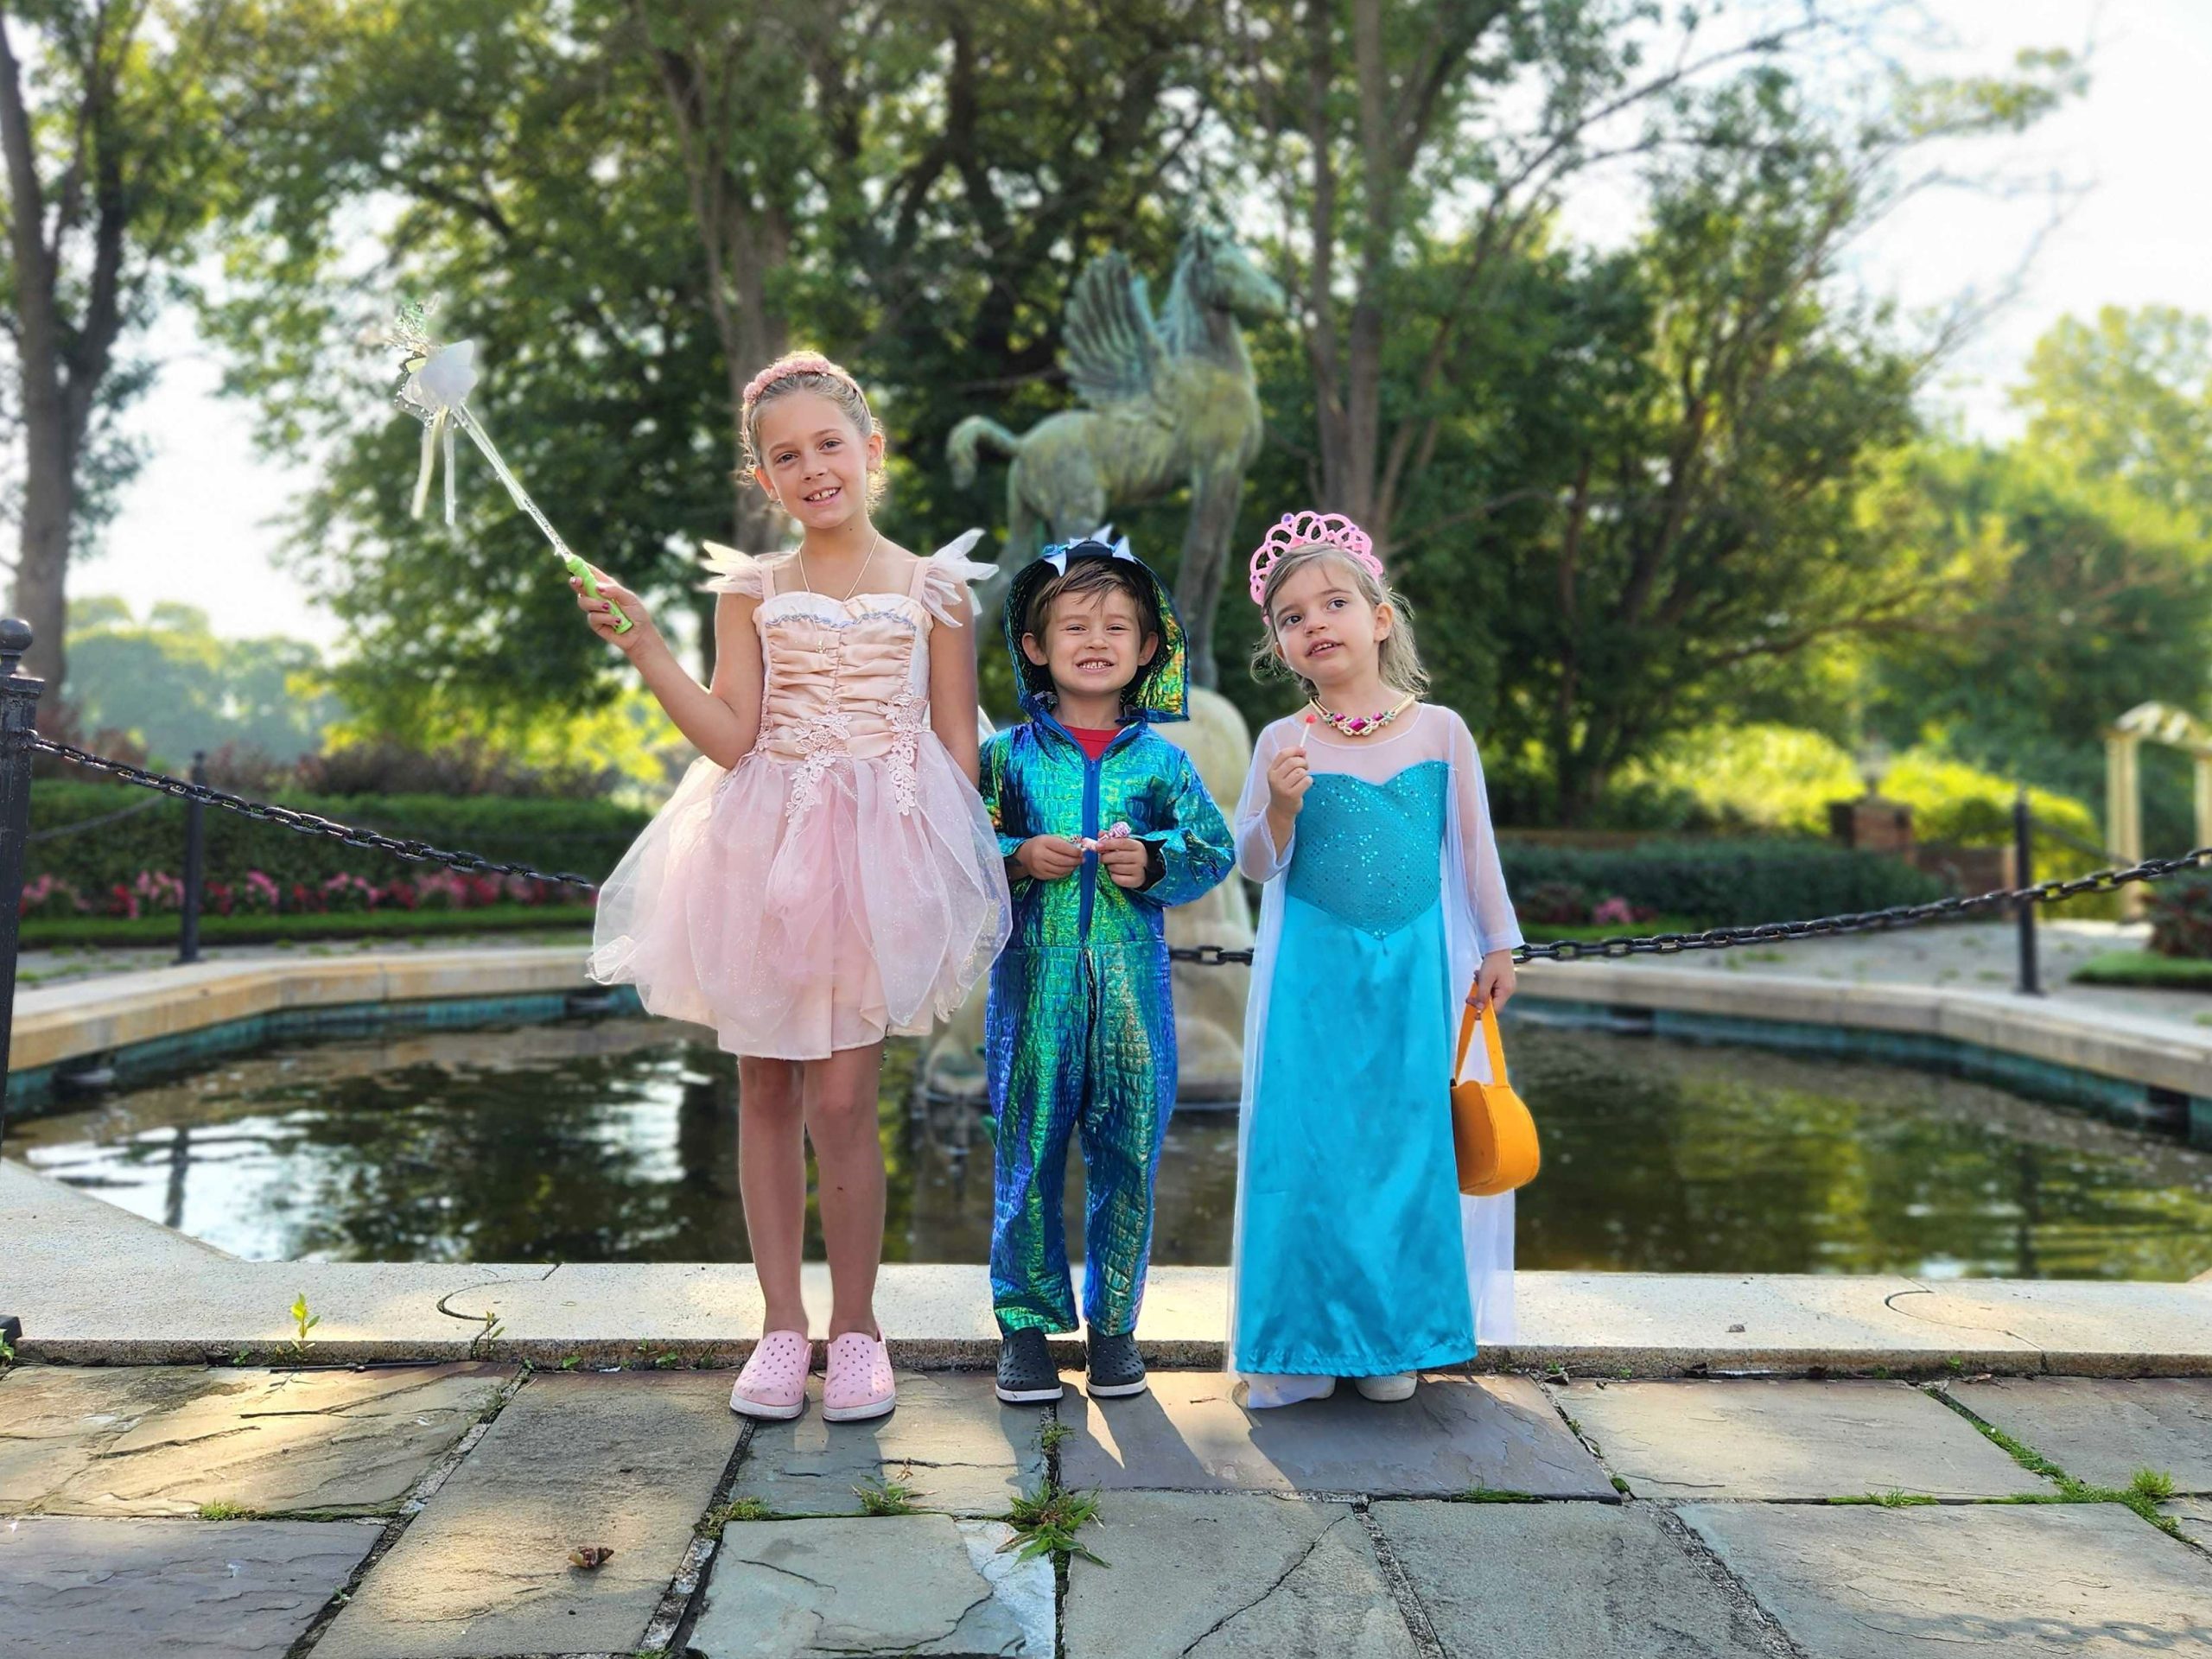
point(859, 1385)
point(773, 1383)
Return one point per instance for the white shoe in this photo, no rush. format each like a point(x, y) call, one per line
point(1386, 1391)
point(1270, 1392)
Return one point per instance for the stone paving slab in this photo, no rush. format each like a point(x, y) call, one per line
point(1865, 1583)
point(1593, 1581)
point(2194, 1515)
point(1187, 1434)
point(950, 1441)
point(916, 1584)
point(629, 1462)
point(163, 1441)
point(55, 1419)
point(2103, 1431)
point(1209, 1575)
point(73, 1585)
point(1789, 1440)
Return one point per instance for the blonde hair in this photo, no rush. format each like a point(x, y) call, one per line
point(1398, 659)
point(806, 371)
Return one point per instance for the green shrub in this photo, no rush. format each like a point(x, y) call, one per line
point(585, 837)
point(1725, 883)
point(2180, 911)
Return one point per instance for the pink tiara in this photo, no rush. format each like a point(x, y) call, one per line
point(797, 363)
point(1299, 529)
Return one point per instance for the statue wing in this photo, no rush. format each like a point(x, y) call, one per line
point(1113, 348)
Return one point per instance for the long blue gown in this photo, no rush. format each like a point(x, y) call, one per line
point(1350, 1263)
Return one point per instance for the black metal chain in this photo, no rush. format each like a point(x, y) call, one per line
point(307, 824)
point(1208, 956)
point(1870, 921)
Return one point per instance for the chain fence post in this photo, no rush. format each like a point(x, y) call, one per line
point(19, 695)
point(196, 859)
point(2024, 876)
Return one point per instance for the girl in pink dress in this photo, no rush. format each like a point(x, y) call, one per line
point(825, 875)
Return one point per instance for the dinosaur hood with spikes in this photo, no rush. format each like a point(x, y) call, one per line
point(1161, 690)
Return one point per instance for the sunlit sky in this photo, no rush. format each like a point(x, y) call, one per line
point(2128, 224)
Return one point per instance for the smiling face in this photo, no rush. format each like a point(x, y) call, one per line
point(813, 462)
point(1324, 626)
point(1093, 645)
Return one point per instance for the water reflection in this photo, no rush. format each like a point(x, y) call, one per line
point(611, 1141)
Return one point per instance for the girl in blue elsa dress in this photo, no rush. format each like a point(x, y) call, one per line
point(1383, 906)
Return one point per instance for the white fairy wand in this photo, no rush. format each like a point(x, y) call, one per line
point(436, 392)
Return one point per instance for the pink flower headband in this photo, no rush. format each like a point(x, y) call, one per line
point(797, 363)
point(1299, 529)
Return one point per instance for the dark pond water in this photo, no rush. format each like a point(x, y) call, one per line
point(609, 1142)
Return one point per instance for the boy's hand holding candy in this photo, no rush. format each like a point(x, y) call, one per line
point(1126, 859)
point(1048, 858)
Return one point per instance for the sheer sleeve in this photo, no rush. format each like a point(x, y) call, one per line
point(945, 574)
point(1256, 849)
point(1495, 928)
point(730, 571)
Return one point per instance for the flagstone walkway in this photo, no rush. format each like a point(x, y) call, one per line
point(423, 1512)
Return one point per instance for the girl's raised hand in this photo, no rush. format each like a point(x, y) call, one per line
point(599, 613)
point(1289, 777)
point(1495, 982)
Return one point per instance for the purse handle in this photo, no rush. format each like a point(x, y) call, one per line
point(1468, 1020)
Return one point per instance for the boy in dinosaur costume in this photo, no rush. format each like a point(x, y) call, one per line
point(1105, 824)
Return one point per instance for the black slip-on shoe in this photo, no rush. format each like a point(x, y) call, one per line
point(1027, 1374)
point(1117, 1368)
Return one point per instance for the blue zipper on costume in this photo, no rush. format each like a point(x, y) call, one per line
point(1091, 772)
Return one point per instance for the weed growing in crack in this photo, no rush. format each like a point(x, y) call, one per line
point(1047, 1521)
point(302, 1323)
point(1493, 1494)
point(2141, 1494)
point(710, 1524)
point(886, 1497)
point(1892, 1499)
point(1051, 1436)
point(2153, 1483)
point(482, 1341)
point(222, 1510)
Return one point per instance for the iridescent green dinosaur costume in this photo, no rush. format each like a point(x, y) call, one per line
point(1080, 1031)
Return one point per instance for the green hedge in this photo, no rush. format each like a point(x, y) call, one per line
point(583, 837)
point(2146, 968)
point(1724, 883)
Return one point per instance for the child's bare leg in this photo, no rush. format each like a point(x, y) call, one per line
point(771, 1180)
point(840, 1121)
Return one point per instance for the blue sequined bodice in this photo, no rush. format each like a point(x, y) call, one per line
point(1367, 853)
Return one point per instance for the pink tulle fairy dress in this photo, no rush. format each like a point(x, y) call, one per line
point(842, 882)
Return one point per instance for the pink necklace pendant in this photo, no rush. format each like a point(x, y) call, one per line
point(1362, 725)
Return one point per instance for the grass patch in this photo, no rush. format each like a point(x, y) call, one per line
point(2146, 968)
point(222, 1510)
point(886, 1497)
point(711, 1523)
point(1892, 1499)
point(1047, 1521)
point(46, 932)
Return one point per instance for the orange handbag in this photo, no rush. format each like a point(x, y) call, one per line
point(1492, 1134)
